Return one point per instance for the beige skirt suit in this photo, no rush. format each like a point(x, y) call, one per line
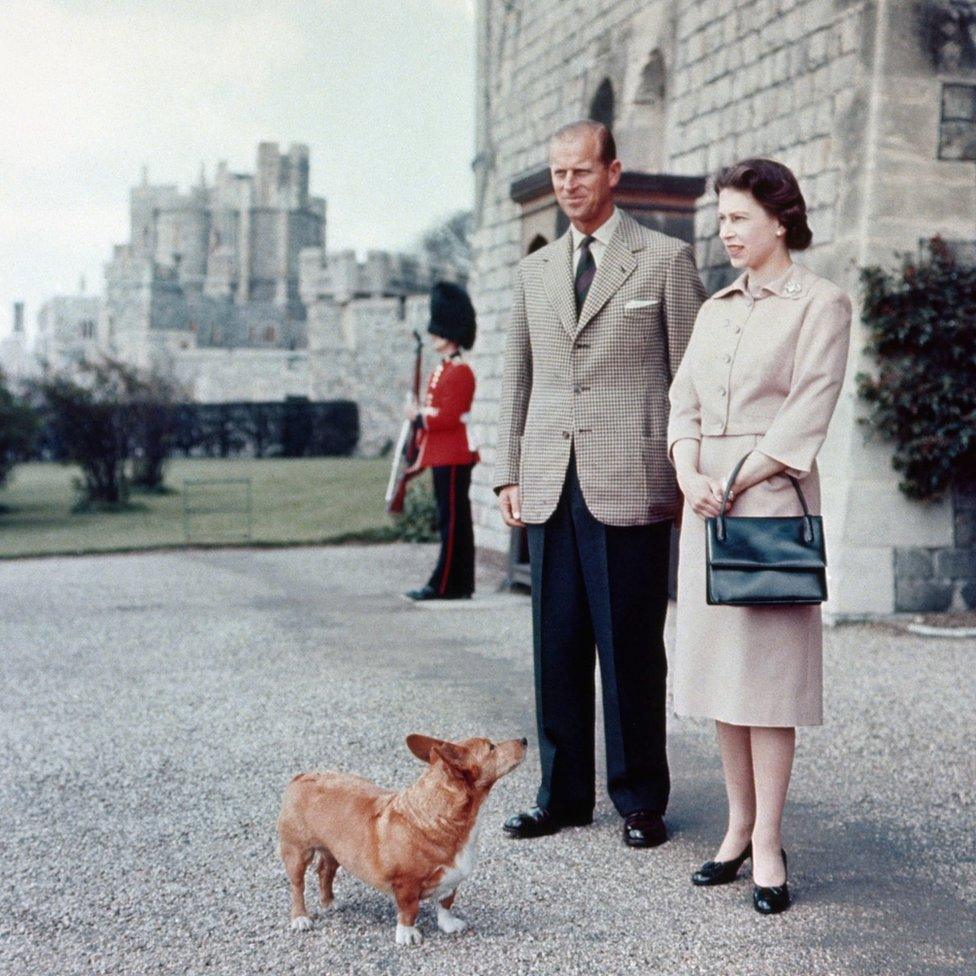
point(762, 372)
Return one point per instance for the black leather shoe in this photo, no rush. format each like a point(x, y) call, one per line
point(539, 822)
point(720, 872)
point(642, 828)
point(774, 899)
point(429, 593)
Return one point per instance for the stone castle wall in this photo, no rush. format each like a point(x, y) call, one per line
point(235, 375)
point(846, 92)
point(230, 288)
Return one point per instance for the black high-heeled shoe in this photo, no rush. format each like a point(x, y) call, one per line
point(720, 872)
point(773, 899)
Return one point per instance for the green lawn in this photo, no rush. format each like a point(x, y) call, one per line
point(293, 500)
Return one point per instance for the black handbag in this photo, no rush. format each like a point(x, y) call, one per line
point(775, 561)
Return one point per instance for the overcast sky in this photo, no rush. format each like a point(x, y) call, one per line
point(382, 91)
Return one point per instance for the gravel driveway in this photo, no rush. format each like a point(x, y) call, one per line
point(152, 708)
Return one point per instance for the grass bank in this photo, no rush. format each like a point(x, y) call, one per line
point(301, 500)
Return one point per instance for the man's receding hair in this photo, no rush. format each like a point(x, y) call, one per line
point(608, 147)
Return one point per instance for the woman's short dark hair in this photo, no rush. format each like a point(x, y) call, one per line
point(775, 188)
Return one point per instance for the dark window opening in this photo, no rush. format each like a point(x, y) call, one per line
point(957, 127)
point(602, 106)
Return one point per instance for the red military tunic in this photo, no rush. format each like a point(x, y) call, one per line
point(444, 439)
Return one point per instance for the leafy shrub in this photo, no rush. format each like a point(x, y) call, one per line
point(922, 325)
point(87, 416)
point(151, 416)
point(418, 521)
point(18, 426)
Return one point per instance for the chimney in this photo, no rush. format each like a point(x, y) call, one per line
point(18, 318)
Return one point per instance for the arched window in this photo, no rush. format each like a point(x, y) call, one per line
point(536, 242)
point(602, 105)
point(653, 81)
point(646, 122)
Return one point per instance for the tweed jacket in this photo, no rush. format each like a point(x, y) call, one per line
point(597, 386)
point(772, 366)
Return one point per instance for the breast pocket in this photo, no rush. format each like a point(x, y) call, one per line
point(638, 324)
point(643, 312)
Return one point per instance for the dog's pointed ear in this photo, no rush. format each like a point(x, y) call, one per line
point(421, 746)
point(453, 757)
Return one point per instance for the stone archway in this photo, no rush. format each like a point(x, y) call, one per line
point(603, 104)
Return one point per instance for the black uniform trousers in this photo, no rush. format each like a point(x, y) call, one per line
point(604, 585)
point(454, 573)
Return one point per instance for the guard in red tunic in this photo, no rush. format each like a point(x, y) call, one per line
point(444, 444)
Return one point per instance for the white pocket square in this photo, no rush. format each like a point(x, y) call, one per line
point(637, 303)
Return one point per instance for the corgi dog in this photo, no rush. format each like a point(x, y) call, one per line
point(418, 844)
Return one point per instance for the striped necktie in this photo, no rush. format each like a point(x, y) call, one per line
point(585, 271)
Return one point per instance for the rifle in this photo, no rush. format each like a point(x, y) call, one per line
point(407, 451)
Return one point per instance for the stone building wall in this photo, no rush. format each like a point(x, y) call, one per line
point(849, 93)
point(360, 338)
point(236, 375)
point(67, 330)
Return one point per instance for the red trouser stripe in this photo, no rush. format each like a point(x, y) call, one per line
point(451, 529)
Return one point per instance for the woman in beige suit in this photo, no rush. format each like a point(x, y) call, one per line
point(761, 377)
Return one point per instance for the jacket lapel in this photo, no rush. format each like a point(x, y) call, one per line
point(616, 267)
point(558, 280)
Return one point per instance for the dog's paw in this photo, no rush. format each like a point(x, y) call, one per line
point(328, 906)
point(408, 935)
point(301, 924)
point(449, 923)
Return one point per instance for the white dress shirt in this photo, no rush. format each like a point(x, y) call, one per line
point(601, 238)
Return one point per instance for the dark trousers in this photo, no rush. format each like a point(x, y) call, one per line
point(454, 573)
point(604, 585)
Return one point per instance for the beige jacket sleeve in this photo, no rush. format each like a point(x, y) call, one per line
point(684, 419)
point(800, 426)
point(516, 389)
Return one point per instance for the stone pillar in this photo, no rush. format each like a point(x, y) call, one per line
point(243, 294)
point(281, 279)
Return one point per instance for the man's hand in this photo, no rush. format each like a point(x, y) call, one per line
point(510, 503)
point(704, 494)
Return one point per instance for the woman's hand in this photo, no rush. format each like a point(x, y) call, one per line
point(704, 494)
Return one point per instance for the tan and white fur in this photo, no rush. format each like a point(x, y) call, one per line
point(417, 844)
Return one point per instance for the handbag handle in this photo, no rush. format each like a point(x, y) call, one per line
point(807, 520)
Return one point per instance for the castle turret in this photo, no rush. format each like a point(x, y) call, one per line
point(298, 175)
point(268, 176)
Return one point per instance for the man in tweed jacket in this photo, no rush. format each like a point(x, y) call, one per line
point(600, 321)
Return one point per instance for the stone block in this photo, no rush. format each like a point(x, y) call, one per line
point(922, 596)
point(914, 564)
point(878, 513)
point(956, 564)
point(859, 581)
point(965, 528)
point(964, 497)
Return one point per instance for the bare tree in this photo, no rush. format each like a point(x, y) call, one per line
point(447, 245)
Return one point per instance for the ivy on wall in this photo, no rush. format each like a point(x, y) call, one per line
point(922, 325)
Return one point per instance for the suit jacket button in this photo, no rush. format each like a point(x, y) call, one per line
point(565, 435)
point(577, 389)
